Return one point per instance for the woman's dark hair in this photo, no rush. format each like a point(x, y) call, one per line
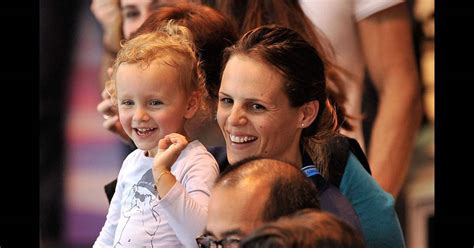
point(211, 30)
point(303, 72)
point(249, 14)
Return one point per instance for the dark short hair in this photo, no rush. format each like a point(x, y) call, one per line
point(212, 32)
point(290, 190)
point(306, 229)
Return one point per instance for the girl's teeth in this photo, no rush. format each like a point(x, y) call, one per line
point(142, 131)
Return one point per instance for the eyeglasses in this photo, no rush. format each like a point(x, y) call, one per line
point(208, 242)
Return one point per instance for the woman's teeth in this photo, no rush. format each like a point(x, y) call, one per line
point(241, 139)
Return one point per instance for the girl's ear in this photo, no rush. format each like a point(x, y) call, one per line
point(308, 113)
point(193, 105)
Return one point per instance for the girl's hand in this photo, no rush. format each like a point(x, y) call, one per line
point(169, 149)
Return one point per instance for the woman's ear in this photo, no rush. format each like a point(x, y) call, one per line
point(193, 105)
point(309, 112)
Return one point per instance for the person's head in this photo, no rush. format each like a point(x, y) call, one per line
point(249, 14)
point(273, 100)
point(135, 12)
point(212, 32)
point(157, 85)
point(305, 229)
point(255, 191)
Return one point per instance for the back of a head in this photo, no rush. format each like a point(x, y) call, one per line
point(289, 189)
point(306, 229)
point(212, 32)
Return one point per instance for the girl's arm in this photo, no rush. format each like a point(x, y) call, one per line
point(185, 202)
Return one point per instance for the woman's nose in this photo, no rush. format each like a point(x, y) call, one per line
point(237, 116)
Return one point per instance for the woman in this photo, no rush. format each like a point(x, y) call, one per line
point(249, 14)
point(273, 103)
point(350, 26)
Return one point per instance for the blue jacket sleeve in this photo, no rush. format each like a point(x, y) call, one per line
point(373, 205)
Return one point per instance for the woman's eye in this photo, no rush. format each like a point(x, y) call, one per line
point(257, 107)
point(131, 14)
point(155, 102)
point(226, 100)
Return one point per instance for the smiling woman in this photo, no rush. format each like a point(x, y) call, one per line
point(257, 119)
point(273, 103)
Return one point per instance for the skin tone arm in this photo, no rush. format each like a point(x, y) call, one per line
point(108, 14)
point(169, 149)
point(388, 49)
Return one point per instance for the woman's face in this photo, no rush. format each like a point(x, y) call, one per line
point(135, 12)
point(254, 113)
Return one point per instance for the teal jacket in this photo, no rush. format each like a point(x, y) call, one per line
point(374, 206)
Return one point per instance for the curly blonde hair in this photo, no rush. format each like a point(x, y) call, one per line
point(172, 45)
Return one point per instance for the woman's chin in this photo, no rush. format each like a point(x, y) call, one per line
point(237, 152)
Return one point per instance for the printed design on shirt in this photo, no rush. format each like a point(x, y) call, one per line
point(141, 213)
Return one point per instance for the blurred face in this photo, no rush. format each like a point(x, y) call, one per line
point(135, 12)
point(234, 212)
point(254, 113)
point(151, 103)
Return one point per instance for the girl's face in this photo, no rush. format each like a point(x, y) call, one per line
point(135, 12)
point(254, 113)
point(152, 103)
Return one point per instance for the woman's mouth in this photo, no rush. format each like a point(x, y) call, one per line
point(241, 139)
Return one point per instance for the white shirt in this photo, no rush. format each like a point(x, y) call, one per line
point(137, 218)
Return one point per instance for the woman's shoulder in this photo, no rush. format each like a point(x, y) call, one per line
point(340, 147)
point(220, 154)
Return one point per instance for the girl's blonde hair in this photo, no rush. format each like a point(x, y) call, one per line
point(172, 45)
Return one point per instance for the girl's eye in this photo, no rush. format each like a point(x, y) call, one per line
point(126, 102)
point(226, 100)
point(155, 102)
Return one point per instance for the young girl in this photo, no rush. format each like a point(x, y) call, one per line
point(163, 187)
